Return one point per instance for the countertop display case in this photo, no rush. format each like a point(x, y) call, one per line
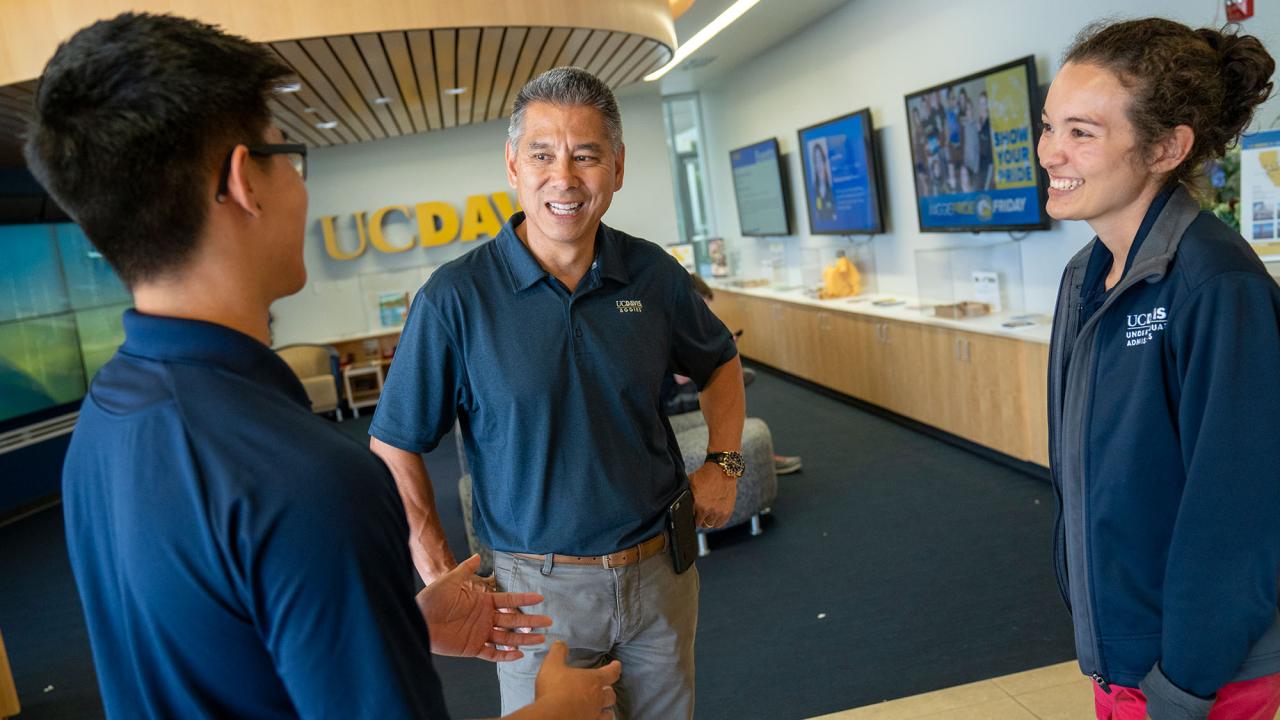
point(961, 283)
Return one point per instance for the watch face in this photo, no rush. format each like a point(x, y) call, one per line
point(733, 464)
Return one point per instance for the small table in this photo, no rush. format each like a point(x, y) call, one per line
point(363, 383)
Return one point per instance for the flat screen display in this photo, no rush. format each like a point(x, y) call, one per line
point(60, 318)
point(973, 152)
point(758, 189)
point(841, 177)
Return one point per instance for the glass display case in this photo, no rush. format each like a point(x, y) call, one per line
point(840, 270)
point(964, 282)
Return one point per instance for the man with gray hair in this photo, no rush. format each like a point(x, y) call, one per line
point(548, 347)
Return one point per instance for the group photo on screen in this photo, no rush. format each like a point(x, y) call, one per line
point(951, 140)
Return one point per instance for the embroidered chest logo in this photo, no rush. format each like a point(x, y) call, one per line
point(1142, 327)
point(630, 306)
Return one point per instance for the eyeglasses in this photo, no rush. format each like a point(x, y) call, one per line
point(297, 153)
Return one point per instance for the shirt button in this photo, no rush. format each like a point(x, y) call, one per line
point(578, 332)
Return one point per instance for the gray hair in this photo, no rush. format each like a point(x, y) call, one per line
point(567, 86)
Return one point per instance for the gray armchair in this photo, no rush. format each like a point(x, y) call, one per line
point(317, 367)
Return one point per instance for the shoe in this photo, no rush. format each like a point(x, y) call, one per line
point(786, 464)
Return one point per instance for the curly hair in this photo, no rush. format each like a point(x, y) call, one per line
point(1209, 80)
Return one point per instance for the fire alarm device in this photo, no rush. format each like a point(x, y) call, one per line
point(1238, 10)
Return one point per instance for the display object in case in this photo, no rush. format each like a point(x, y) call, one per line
point(958, 283)
point(842, 185)
point(839, 271)
point(973, 152)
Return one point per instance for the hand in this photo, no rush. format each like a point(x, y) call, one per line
point(466, 618)
point(713, 495)
point(573, 693)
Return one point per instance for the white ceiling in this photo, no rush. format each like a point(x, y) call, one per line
point(763, 26)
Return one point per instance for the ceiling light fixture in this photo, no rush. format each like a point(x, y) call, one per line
point(310, 110)
point(701, 37)
point(455, 91)
point(289, 87)
point(327, 124)
point(382, 101)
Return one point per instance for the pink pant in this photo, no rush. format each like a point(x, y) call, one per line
point(1257, 699)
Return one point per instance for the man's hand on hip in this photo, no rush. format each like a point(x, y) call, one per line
point(465, 618)
point(713, 495)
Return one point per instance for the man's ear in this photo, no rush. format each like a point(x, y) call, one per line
point(511, 164)
point(239, 185)
point(617, 170)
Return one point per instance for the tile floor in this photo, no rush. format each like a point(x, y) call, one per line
point(1057, 692)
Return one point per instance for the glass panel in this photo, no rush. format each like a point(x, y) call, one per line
point(685, 149)
point(40, 365)
point(101, 332)
point(90, 279)
point(30, 283)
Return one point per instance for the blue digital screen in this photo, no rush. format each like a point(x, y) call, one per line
point(841, 187)
point(757, 187)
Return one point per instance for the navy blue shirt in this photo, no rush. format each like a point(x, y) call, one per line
point(557, 393)
point(236, 556)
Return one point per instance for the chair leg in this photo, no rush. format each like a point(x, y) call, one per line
point(703, 549)
point(339, 412)
point(755, 525)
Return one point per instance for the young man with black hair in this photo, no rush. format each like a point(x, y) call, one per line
point(236, 556)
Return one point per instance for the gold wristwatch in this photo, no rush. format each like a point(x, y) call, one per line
point(731, 462)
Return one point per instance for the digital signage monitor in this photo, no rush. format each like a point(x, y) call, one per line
point(973, 152)
point(842, 184)
point(759, 190)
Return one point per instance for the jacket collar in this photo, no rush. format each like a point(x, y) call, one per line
point(1160, 245)
point(170, 339)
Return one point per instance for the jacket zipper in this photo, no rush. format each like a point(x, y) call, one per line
point(1102, 683)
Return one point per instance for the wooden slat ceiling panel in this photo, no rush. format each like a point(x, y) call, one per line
point(446, 58)
point(629, 45)
point(490, 44)
point(422, 51)
point(468, 55)
point(397, 48)
point(512, 44)
point(523, 72)
point(379, 85)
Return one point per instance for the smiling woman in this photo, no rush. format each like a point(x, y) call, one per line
point(1162, 406)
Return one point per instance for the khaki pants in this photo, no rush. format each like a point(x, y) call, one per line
point(644, 615)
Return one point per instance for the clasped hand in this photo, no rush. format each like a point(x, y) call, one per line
point(714, 494)
point(466, 619)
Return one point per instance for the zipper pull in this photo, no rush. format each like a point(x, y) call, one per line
point(1102, 683)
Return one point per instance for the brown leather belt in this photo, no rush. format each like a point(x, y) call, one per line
point(621, 558)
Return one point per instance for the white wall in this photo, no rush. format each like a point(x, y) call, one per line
point(872, 53)
point(447, 166)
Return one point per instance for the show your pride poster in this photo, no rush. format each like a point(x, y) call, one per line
point(973, 146)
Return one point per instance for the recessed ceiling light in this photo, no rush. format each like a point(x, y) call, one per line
point(327, 124)
point(289, 87)
point(382, 101)
point(310, 110)
point(455, 91)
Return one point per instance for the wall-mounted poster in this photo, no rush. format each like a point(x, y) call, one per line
point(1260, 191)
point(684, 255)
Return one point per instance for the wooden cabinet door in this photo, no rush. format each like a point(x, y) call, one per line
point(898, 366)
point(1035, 397)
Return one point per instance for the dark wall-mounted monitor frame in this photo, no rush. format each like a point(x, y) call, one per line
point(782, 189)
point(875, 180)
point(1041, 218)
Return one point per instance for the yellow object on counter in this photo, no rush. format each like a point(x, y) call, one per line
point(841, 279)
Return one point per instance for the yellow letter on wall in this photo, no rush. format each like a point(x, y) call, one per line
point(428, 212)
point(375, 230)
point(479, 219)
point(502, 201)
point(331, 237)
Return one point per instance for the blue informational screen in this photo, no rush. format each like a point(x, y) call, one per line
point(973, 152)
point(758, 190)
point(60, 318)
point(841, 183)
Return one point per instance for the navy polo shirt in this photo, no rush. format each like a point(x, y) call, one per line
point(236, 556)
point(557, 393)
